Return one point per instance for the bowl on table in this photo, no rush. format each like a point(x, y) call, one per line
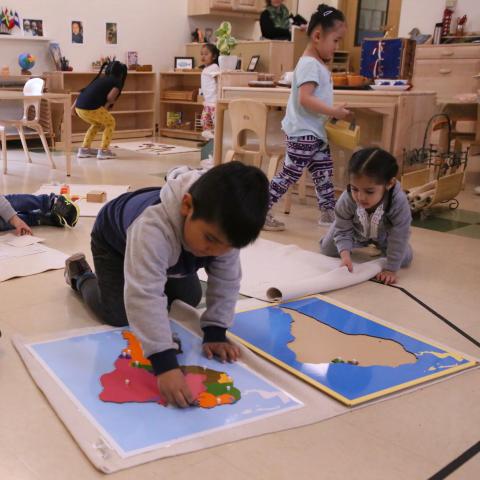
point(339, 80)
point(356, 80)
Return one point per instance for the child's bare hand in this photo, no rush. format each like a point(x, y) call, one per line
point(346, 260)
point(174, 388)
point(341, 113)
point(21, 228)
point(387, 277)
point(223, 350)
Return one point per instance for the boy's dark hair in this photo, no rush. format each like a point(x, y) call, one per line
point(235, 197)
point(213, 50)
point(374, 163)
point(325, 16)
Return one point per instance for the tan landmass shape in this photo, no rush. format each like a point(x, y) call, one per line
point(316, 342)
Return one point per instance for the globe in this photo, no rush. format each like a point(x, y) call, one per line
point(26, 61)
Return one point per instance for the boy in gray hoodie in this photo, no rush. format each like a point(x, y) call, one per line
point(147, 246)
point(374, 209)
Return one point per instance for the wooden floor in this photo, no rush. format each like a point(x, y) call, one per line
point(408, 437)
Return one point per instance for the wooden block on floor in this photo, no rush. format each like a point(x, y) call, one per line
point(97, 196)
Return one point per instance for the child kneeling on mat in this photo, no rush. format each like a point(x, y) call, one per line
point(147, 246)
point(374, 209)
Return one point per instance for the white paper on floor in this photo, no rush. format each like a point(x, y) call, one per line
point(23, 240)
point(272, 271)
point(87, 209)
point(153, 148)
point(26, 260)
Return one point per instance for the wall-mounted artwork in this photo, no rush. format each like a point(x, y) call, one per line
point(111, 33)
point(77, 31)
point(32, 27)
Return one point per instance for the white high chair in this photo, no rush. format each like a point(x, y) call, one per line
point(32, 87)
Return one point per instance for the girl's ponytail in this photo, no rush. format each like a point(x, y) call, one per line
point(325, 16)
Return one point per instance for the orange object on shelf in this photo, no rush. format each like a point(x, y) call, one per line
point(65, 189)
point(339, 80)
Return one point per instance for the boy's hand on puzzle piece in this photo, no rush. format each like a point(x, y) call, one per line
point(341, 113)
point(223, 350)
point(387, 277)
point(21, 228)
point(346, 260)
point(174, 388)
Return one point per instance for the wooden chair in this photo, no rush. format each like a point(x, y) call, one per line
point(250, 115)
point(33, 87)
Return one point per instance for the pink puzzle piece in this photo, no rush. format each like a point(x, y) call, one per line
point(131, 384)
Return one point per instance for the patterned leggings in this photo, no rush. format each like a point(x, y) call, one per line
point(98, 118)
point(208, 118)
point(306, 152)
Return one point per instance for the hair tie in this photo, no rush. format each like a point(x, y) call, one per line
point(328, 12)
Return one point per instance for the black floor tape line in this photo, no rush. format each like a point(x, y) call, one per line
point(457, 463)
point(432, 311)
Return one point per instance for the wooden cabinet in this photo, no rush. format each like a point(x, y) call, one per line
point(255, 6)
point(222, 4)
point(448, 70)
point(276, 56)
point(134, 111)
point(235, 8)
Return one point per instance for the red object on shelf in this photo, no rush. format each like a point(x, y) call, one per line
point(446, 21)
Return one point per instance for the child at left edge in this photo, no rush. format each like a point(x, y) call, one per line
point(23, 211)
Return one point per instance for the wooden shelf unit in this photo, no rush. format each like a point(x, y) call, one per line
point(179, 81)
point(231, 8)
point(134, 111)
point(191, 81)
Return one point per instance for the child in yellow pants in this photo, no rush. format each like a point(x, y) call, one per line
point(92, 106)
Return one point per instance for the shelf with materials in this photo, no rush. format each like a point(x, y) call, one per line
point(187, 110)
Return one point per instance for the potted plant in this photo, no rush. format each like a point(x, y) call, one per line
point(225, 44)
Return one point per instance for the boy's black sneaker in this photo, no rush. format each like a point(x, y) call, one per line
point(75, 266)
point(65, 211)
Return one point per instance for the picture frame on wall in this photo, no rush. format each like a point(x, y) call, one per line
point(132, 60)
point(184, 63)
point(111, 33)
point(32, 27)
point(77, 31)
point(252, 66)
point(56, 55)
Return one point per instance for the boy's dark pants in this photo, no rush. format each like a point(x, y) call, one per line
point(103, 291)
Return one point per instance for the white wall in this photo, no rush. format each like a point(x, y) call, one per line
point(157, 29)
point(425, 13)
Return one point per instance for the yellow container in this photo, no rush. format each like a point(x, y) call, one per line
point(343, 134)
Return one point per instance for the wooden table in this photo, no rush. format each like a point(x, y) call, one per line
point(391, 120)
point(61, 98)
